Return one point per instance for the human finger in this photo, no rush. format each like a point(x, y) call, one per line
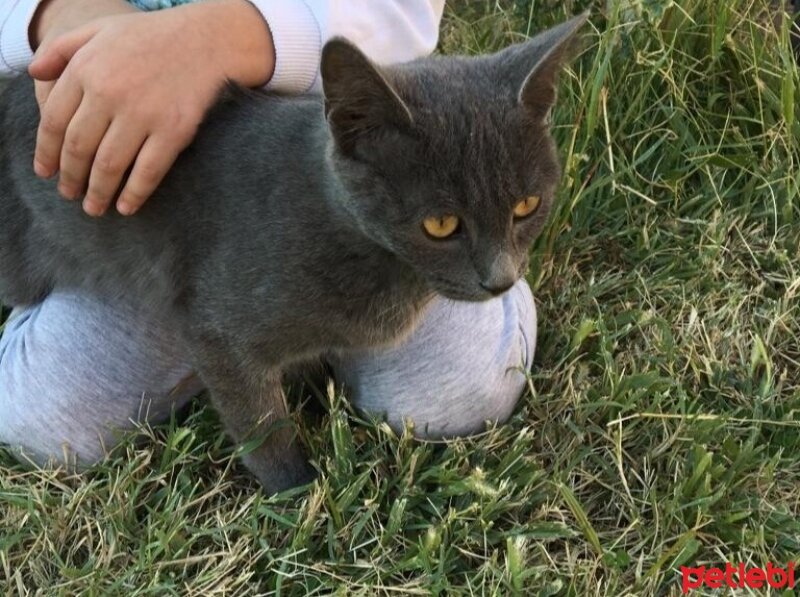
point(116, 153)
point(152, 164)
point(56, 115)
point(84, 134)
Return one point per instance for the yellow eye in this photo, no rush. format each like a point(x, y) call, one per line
point(527, 206)
point(440, 227)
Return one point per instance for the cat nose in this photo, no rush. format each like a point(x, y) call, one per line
point(499, 289)
point(501, 274)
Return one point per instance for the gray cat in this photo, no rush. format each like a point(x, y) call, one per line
point(294, 228)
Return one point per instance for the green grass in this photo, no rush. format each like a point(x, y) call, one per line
point(661, 427)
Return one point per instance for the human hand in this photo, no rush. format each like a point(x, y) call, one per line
point(130, 91)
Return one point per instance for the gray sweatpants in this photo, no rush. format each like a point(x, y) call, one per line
point(74, 371)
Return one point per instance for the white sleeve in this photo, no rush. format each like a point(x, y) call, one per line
point(15, 47)
point(388, 31)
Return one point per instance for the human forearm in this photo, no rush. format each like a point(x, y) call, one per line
point(242, 40)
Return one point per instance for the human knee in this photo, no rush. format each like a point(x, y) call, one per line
point(71, 378)
point(40, 420)
point(466, 366)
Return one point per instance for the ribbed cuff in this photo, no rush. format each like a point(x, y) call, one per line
point(15, 46)
point(298, 44)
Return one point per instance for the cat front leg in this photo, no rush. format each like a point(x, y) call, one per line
point(252, 407)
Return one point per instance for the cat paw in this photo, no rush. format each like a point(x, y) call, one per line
point(287, 475)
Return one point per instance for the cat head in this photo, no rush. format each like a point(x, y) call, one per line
point(448, 162)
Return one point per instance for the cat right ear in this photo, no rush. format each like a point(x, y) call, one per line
point(537, 63)
point(358, 98)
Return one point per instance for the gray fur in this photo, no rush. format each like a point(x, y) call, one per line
point(281, 235)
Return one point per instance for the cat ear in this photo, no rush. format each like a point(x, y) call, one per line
point(541, 60)
point(358, 98)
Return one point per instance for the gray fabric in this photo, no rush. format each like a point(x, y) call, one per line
point(462, 367)
point(74, 371)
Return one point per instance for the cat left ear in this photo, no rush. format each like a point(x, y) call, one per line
point(358, 98)
point(551, 50)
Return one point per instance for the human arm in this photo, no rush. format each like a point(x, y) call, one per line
point(387, 30)
point(80, 144)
